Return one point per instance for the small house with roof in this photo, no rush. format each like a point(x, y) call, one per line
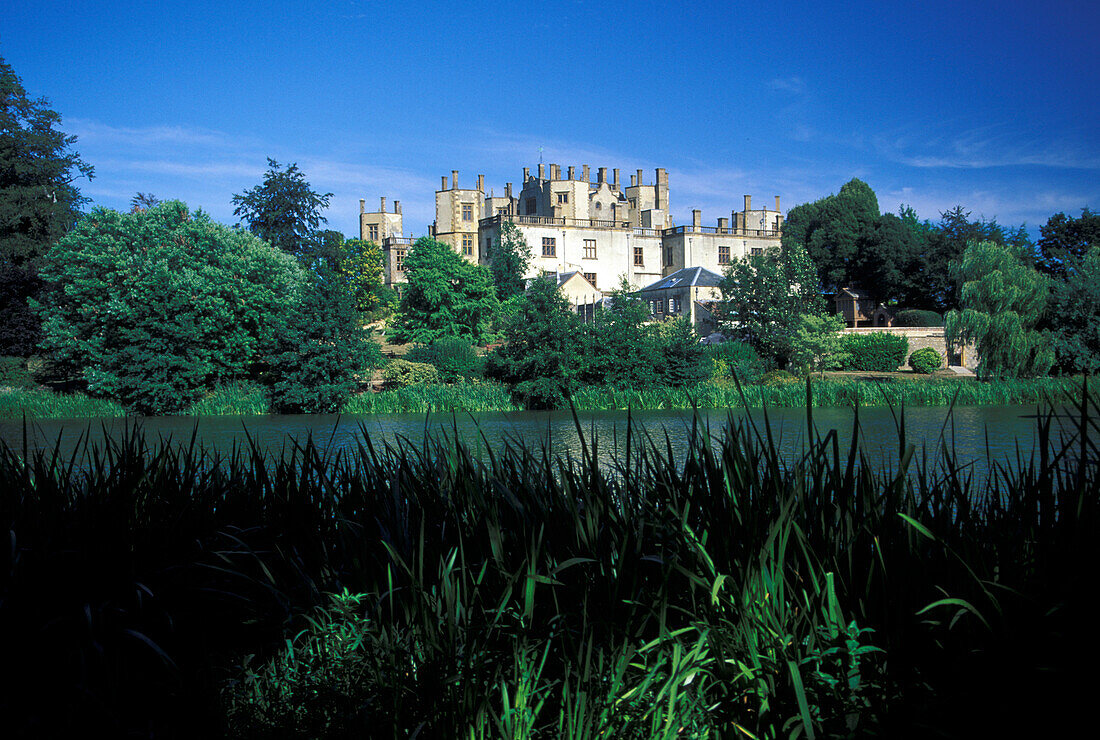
point(582, 295)
point(691, 292)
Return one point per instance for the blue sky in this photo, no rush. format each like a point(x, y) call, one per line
point(994, 106)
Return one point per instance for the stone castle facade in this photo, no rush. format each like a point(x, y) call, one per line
point(600, 228)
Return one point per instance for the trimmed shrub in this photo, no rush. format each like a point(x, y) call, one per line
point(778, 377)
point(917, 317)
point(402, 373)
point(875, 352)
point(453, 357)
point(926, 361)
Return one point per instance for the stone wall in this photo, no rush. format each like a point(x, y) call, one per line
point(926, 336)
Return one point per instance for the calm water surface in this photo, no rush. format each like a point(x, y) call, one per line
point(971, 430)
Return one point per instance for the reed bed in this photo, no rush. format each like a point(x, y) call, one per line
point(420, 399)
point(39, 403)
point(432, 590)
point(830, 392)
point(236, 399)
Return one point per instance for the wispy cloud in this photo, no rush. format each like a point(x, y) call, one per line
point(794, 85)
point(988, 147)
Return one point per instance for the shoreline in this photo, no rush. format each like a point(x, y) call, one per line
point(486, 397)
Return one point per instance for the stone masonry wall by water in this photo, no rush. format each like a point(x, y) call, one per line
point(926, 336)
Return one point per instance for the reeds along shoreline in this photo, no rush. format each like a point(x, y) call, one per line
point(250, 399)
point(429, 589)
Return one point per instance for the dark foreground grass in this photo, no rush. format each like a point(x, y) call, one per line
point(432, 592)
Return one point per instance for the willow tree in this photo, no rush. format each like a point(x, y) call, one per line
point(1001, 300)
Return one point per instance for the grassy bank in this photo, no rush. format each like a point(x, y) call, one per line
point(397, 591)
point(249, 399)
point(835, 392)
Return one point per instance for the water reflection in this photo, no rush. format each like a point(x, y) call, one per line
point(977, 434)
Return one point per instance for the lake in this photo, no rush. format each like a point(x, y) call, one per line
point(970, 430)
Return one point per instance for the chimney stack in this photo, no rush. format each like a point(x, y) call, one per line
point(748, 203)
point(696, 218)
point(454, 179)
point(639, 177)
point(397, 206)
point(777, 203)
point(383, 208)
point(584, 173)
point(526, 174)
point(601, 174)
point(723, 224)
point(572, 171)
point(633, 180)
point(444, 178)
point(481, 183)
point(362, 205)
point(542, 171)
point(508, 190)
point(615, 178)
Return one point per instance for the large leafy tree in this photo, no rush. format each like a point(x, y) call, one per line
point(543, 354)
point(39, 203)
point(508, 259)
point(283, 210)
point(1002, 298)
point(624, 350)
point(831, 231)
point(888, 255)
point(154, 307)
point(362, 265)
point(764, 297)
point(1074, 315)
point(445, 296)
point(1064, 240)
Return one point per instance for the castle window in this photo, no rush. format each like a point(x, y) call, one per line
point(467, 211)
point(590, 277)
point(372, 232)
point(399, 259)
point(599, 206)
point(531, 207)
point(668, 256)
point(639, 257)
point(468, 245)
point(723, 255)
point(563, 198)
point(590, 249)
point(757, 251)
point(677, 306)
point(549, 246)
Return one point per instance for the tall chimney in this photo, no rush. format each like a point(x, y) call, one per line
point(362, 205)
point(723, 225)
point(584, 172)
point(397, 206)
point(481, 183)
point(454, 179)
point(615, 178)
point(777, 203)
point(696, 218)
point(748, 202)
point(444, 178)
point(601, 175)
point(542, 171)
point(383, 208)
point(508, 190)
point(526, 174)
point(572, 171)
point(555, 172)
point(639, 177)
point(633, 180)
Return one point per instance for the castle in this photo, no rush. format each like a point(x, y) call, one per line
point(602, 229)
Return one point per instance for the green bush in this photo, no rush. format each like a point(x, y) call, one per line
point(917, 317)
point(736, 358)
point(14, 373)
point(453, 357)
point(926, 361)
point(402, 373)
point(778, 377)
point(875, 352)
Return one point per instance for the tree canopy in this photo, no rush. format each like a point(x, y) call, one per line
point(508, 259)
point(1001, 299)
point(283, 210)
point(39, 203)
point(362, 264)
point(1064, 241)
point(445, 296)
point(764, 297)
point(154, 307)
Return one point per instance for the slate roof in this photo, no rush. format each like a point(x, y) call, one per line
point(695, 277)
